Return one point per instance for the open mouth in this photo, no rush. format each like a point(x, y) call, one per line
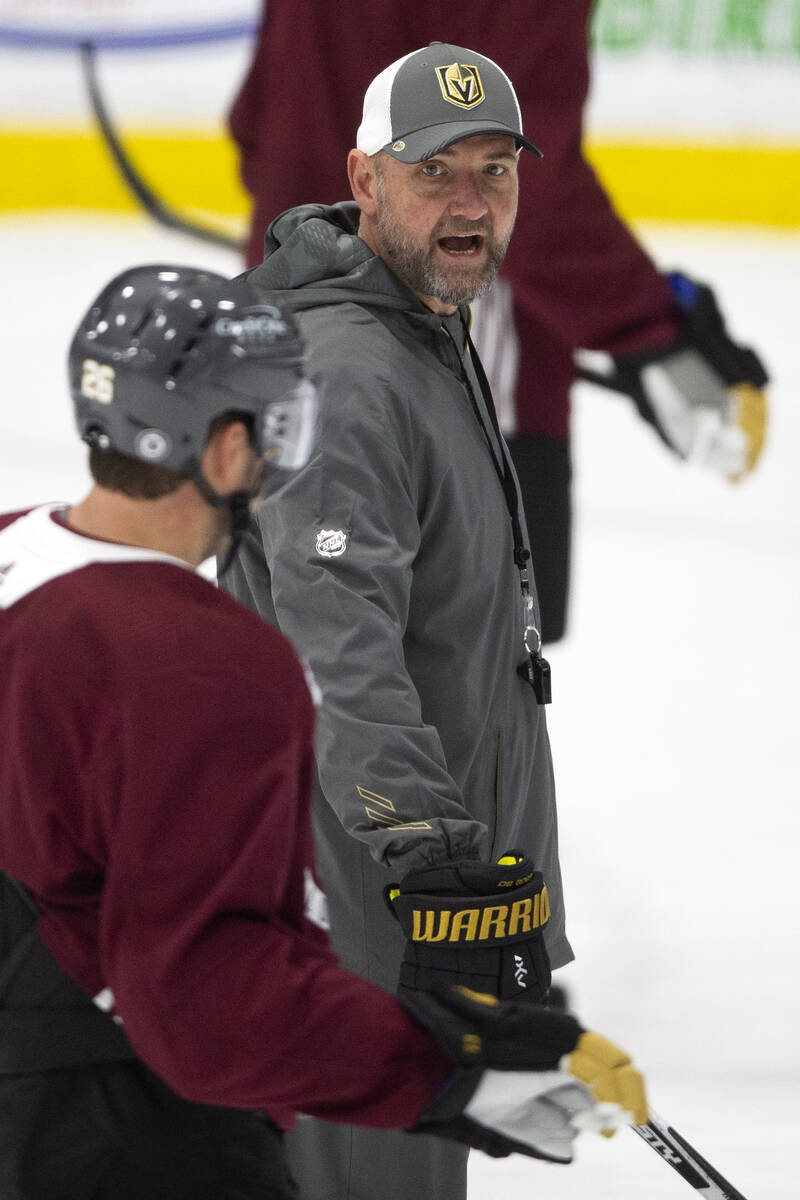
point(467, 244)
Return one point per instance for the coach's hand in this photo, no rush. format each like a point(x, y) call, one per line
point(476, 924)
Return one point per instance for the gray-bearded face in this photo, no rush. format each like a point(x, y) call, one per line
point(414, 258)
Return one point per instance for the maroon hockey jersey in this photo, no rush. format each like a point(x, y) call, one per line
point(154, 780)
point(579, 276)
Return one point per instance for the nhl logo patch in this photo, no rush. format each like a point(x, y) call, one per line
point(461, 85)
point(331, 542)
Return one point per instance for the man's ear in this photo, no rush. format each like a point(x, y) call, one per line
point(227, 459)
point(363, 181)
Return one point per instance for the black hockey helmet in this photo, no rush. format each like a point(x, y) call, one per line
point(164, 350)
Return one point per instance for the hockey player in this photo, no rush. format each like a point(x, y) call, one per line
point(578, 277)
point(168, 997)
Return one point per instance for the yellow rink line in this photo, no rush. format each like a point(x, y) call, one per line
point(748, 184)
point(196, 172)
point(193, 172)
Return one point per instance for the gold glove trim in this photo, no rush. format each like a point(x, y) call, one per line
point(472, 1043)
point(479, 997)
point(609, 1074)
point(750, 415)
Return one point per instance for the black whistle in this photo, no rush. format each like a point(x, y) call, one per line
point(535, 670)
point(542, 687)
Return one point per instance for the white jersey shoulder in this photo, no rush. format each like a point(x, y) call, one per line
point(316, 903)
point(35, 549)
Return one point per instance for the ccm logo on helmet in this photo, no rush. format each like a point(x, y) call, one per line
point(266, 325)
point(490, 924)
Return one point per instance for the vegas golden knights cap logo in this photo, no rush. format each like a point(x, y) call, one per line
point(461, 85)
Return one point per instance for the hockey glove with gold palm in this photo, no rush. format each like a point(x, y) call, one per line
point(476, 924)
point(704, 393)
point(528, 1079)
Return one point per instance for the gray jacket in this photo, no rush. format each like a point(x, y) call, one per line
point(388, 561)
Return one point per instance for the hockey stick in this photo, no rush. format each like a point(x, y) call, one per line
point(148, 199)
point(606, 381)
point(685, 1160)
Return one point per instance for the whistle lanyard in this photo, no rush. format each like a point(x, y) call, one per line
point(534, 669)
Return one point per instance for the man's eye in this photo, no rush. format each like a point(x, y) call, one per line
point(431, 170)
point(496, 169)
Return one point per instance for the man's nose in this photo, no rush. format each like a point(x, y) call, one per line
point(468, 199)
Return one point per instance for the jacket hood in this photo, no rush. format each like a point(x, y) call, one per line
point(314, 252)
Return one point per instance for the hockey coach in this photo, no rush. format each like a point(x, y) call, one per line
point(398, 562)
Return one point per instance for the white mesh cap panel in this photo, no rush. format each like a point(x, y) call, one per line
point(375, 130)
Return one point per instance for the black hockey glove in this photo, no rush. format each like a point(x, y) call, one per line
point(703, 392)
point(476, 924)
point(528, 1079)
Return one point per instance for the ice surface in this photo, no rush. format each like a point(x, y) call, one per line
point(674, 722)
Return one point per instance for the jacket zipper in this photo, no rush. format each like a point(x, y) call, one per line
point(498, 793)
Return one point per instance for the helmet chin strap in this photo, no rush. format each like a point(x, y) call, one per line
point(238, 505)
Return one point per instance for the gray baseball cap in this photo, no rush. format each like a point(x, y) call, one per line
point(433, 97)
